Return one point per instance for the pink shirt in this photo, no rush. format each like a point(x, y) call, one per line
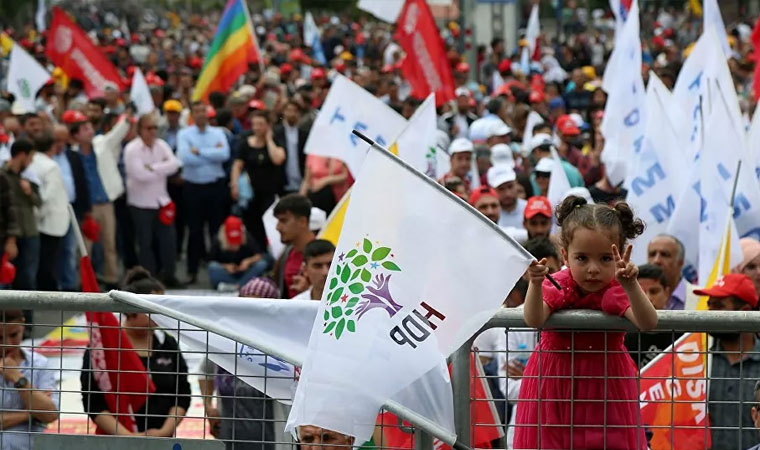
point(147, 169)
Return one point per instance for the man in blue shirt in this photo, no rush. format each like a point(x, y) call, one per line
point(203, 150)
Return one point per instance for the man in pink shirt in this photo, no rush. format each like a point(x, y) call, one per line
point(149, 161)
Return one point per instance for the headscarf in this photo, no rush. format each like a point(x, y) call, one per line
point(260, 288)
point(750, 250)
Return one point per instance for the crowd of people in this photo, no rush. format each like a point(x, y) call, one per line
point(192, 183)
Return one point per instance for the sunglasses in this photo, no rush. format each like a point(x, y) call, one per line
point(543, 174)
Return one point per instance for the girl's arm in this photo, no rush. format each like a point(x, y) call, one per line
point(536, 311)
point(641, 312)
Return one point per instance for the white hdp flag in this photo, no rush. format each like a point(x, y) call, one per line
point(387, 10)
point(392, 308)
point(25, 77)
point(312, 38)
point(696, 83)
point(349, 107)
point(139, 93)
point(657, 168)
point(620, 11)
point(624, 115)
point(417, 143)
point(711, 16)
point(558, 182)
point(532, 32)
point(534, 119)
point(753, 141)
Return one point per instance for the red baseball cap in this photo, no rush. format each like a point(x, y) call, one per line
point(298, 55)
point(567, 126)
point(73, 116)
point(732, 285)
point(536, 97)
point(210, 112)
point(462, 67)
point(538, 205)
point(318, 74)
point(505, 65)
point(257, 105)
point(233, 230)
point(286, 68)
point(481, 192)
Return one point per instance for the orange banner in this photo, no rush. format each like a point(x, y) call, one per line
point(673, 396)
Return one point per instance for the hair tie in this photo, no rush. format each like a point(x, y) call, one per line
point(578, 206)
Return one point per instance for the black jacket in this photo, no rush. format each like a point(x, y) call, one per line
point(278, 133)
point(82, 203)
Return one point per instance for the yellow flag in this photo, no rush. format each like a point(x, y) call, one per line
point(721, 266)
point(334, 223)
point(6, 44)
point(695, 7)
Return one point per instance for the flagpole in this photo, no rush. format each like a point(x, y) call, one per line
point(454, 198)
point(396, 408)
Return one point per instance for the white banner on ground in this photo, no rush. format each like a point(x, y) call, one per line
point(655, 169)
point(348, 107)
point(139, 93)
point(392, 308)
point(25, 77)
point(624, 115)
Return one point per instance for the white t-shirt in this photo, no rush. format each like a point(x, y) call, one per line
point(515, 217)
point(305, 295)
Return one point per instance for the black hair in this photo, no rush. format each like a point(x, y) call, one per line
point(24, 118)
point(541, 125)
point(11, 316)
point(100, 101)
point(296, 204)
point(21, 146)
point(44, 140)
point(223, 117)
point(521, 287)
point(575, 212)
point(494, 105)
point(139, 281)
point(317, 247)
point(259, 113)
point(653, 272)
point(196, 103)
point(217, 100)
point(542, 247)
point(291, 102)
point(76, 83)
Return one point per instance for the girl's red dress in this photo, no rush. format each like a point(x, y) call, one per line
point(585, 399)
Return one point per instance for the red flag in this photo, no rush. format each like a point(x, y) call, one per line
point(117, 368)
point(486, 425)
point(425, 66)
point(756, 44)
point(673, 390)
point(69, 48)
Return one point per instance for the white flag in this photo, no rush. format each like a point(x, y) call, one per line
point(624, 115)
point(39, 17)
point(312, 38)
point(657, 171)
point(711, 16)
point(25, 77)
point(392, 309)
point(753, 141)
point(534, 119)
point(532, 32)
point(417, 143)
point(387, 10)
point(558, 182)
point(140, 94)
point(349, 107)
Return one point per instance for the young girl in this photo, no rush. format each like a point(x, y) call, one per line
point(586, 398)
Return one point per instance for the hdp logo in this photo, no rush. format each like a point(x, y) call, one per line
point(361, 282)
point(23, 86)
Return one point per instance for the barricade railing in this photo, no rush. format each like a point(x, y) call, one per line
point(66, 337)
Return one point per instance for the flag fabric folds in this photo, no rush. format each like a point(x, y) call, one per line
point(425, 66)
point(312, 38)
point(393, 295)
point(756, 45)
point(25, 77)
point(233, 48)
point(139, 93)
point(69, 48)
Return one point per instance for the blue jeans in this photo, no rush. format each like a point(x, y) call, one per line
point(27, 263)
point(67, 263)
point(218, 274)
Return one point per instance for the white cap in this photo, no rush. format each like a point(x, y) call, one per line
point(462, 91)
point(460, 145)
point(501, 154)
point(539, 140)
point(545, 165)
point(17, 109)
point(579, 192)
point(317, 219)
point(498, 128)
point(498, 175)
point(110, 86)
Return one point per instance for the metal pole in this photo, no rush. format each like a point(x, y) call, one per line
point(396, 408)
point(422, 440)
point(460, 384)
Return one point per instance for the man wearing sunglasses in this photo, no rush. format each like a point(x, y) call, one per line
point(149, 161)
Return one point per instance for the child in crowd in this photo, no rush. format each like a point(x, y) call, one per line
point(579, 390)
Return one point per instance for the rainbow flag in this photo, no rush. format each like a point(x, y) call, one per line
point(233, 48)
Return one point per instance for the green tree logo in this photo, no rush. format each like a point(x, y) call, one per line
point(361, 282)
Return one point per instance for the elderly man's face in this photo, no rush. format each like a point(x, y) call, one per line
point(314, 438)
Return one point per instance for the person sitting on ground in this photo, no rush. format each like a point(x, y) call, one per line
point(30, 395)
point(159, 352)
point(235, 257)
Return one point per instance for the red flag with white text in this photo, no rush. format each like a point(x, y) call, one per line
point(756, 45)
point(71, 49)
point(426, 65)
